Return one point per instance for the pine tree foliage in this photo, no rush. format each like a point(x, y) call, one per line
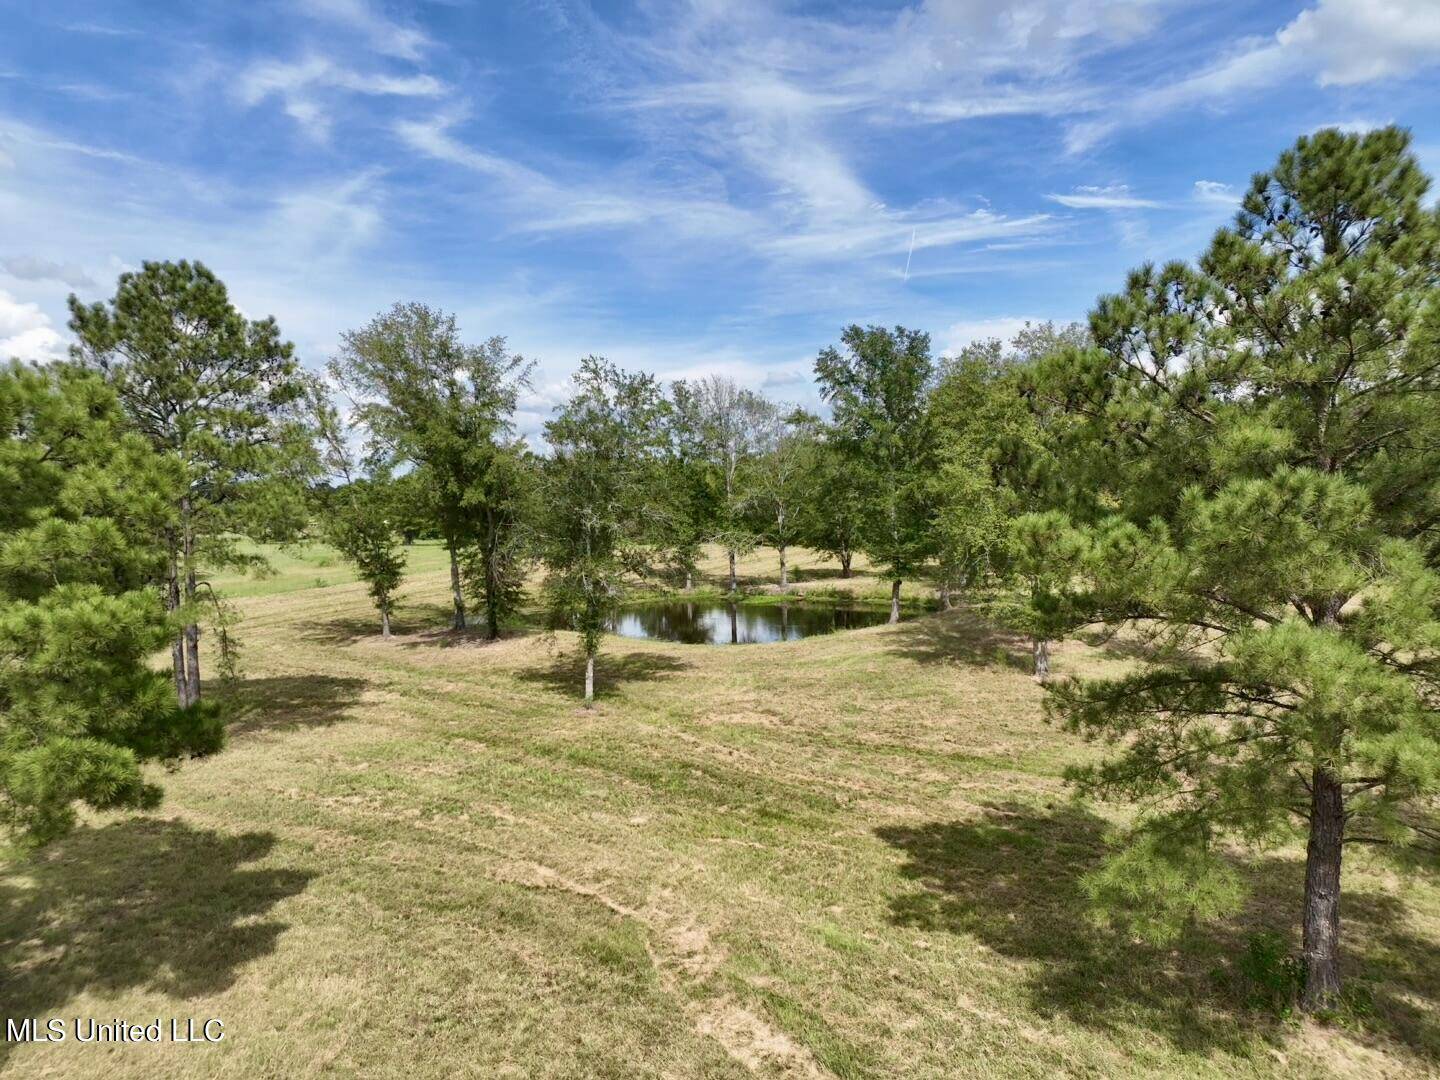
point(87, 504)
point(225, 398)
point(1261, 435)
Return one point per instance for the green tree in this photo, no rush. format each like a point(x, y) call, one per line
point(832, 505)
point(877, 388)
point(496, 563)
point(362, 517)
point(728, 423)
point(602, 524)
point(429, 400)
point(223, 396)
point(87, 504)
point(1267, 426)
point(693, 497)
point(780, 474)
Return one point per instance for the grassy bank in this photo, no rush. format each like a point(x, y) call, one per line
point(850, 856)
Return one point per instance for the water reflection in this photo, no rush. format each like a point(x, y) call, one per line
point(719, 623)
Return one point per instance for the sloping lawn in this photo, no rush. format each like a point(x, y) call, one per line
point(850, 856)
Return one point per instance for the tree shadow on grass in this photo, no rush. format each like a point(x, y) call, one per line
point(961, 636)
point(290, 702)
point(410, 619)
point(565, 674)
point(420, 626)
point(1012, 880)
point(143, 904)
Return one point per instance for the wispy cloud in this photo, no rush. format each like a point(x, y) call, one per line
point(383, 34)
point(299, 83)
point(1112, 197)
point(1334, 43)
point(1215, 193)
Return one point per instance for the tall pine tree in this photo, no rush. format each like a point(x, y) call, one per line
point(1264, 429)
point(224, 397)
point(86, 508)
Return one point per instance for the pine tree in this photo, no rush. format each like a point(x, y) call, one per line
point(1264, 429)
point(81, 527)
point(224, 397)
point(878, 388)
point(603, 521)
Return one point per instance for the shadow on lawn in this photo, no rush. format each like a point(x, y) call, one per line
point(290, 702)
point(961, 635)
point(138, 904)
point(565, 674)
point(418, 626)
point(1011, 879)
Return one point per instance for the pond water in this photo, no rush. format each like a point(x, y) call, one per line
point(715, 622)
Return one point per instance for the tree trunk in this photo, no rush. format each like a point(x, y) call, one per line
point(492, 583)
point(177, 647)
point(734, 582)
point(784, 569)
point(1041, 648)
point(945, 601)
point(192, 630)
point(455, 590)
point(192, 644)
point(845, 564)
point(895, 601)
point(589, 680)
point(1321, 940)
point(385, 621)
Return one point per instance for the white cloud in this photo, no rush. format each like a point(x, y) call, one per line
point(1353, 127)
point(1357, 41)
point(297, 84)
point(968, 331)
point(384, 35)
point(32, 268)
point(1216, 193)
point(1335, 43)
point(1112, 197)
point(26, 332)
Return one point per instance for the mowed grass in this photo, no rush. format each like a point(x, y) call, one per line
point(849, 856)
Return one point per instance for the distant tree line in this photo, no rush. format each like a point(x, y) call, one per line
point(1235, 463)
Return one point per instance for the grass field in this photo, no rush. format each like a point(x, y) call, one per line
point(848, 856)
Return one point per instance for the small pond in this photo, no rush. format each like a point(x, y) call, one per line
point(715, 622)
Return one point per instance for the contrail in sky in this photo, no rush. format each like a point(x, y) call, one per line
point(908, 254)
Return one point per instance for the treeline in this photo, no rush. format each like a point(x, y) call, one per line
point(635, 477)
point(1236, 464)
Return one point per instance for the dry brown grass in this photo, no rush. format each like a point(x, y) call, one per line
point(847, 856)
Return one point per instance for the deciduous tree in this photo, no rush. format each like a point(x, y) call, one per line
point(602, 521)
point(877, 384)
point(445, 407)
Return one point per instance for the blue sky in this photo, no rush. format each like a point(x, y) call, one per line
point(684, 187)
